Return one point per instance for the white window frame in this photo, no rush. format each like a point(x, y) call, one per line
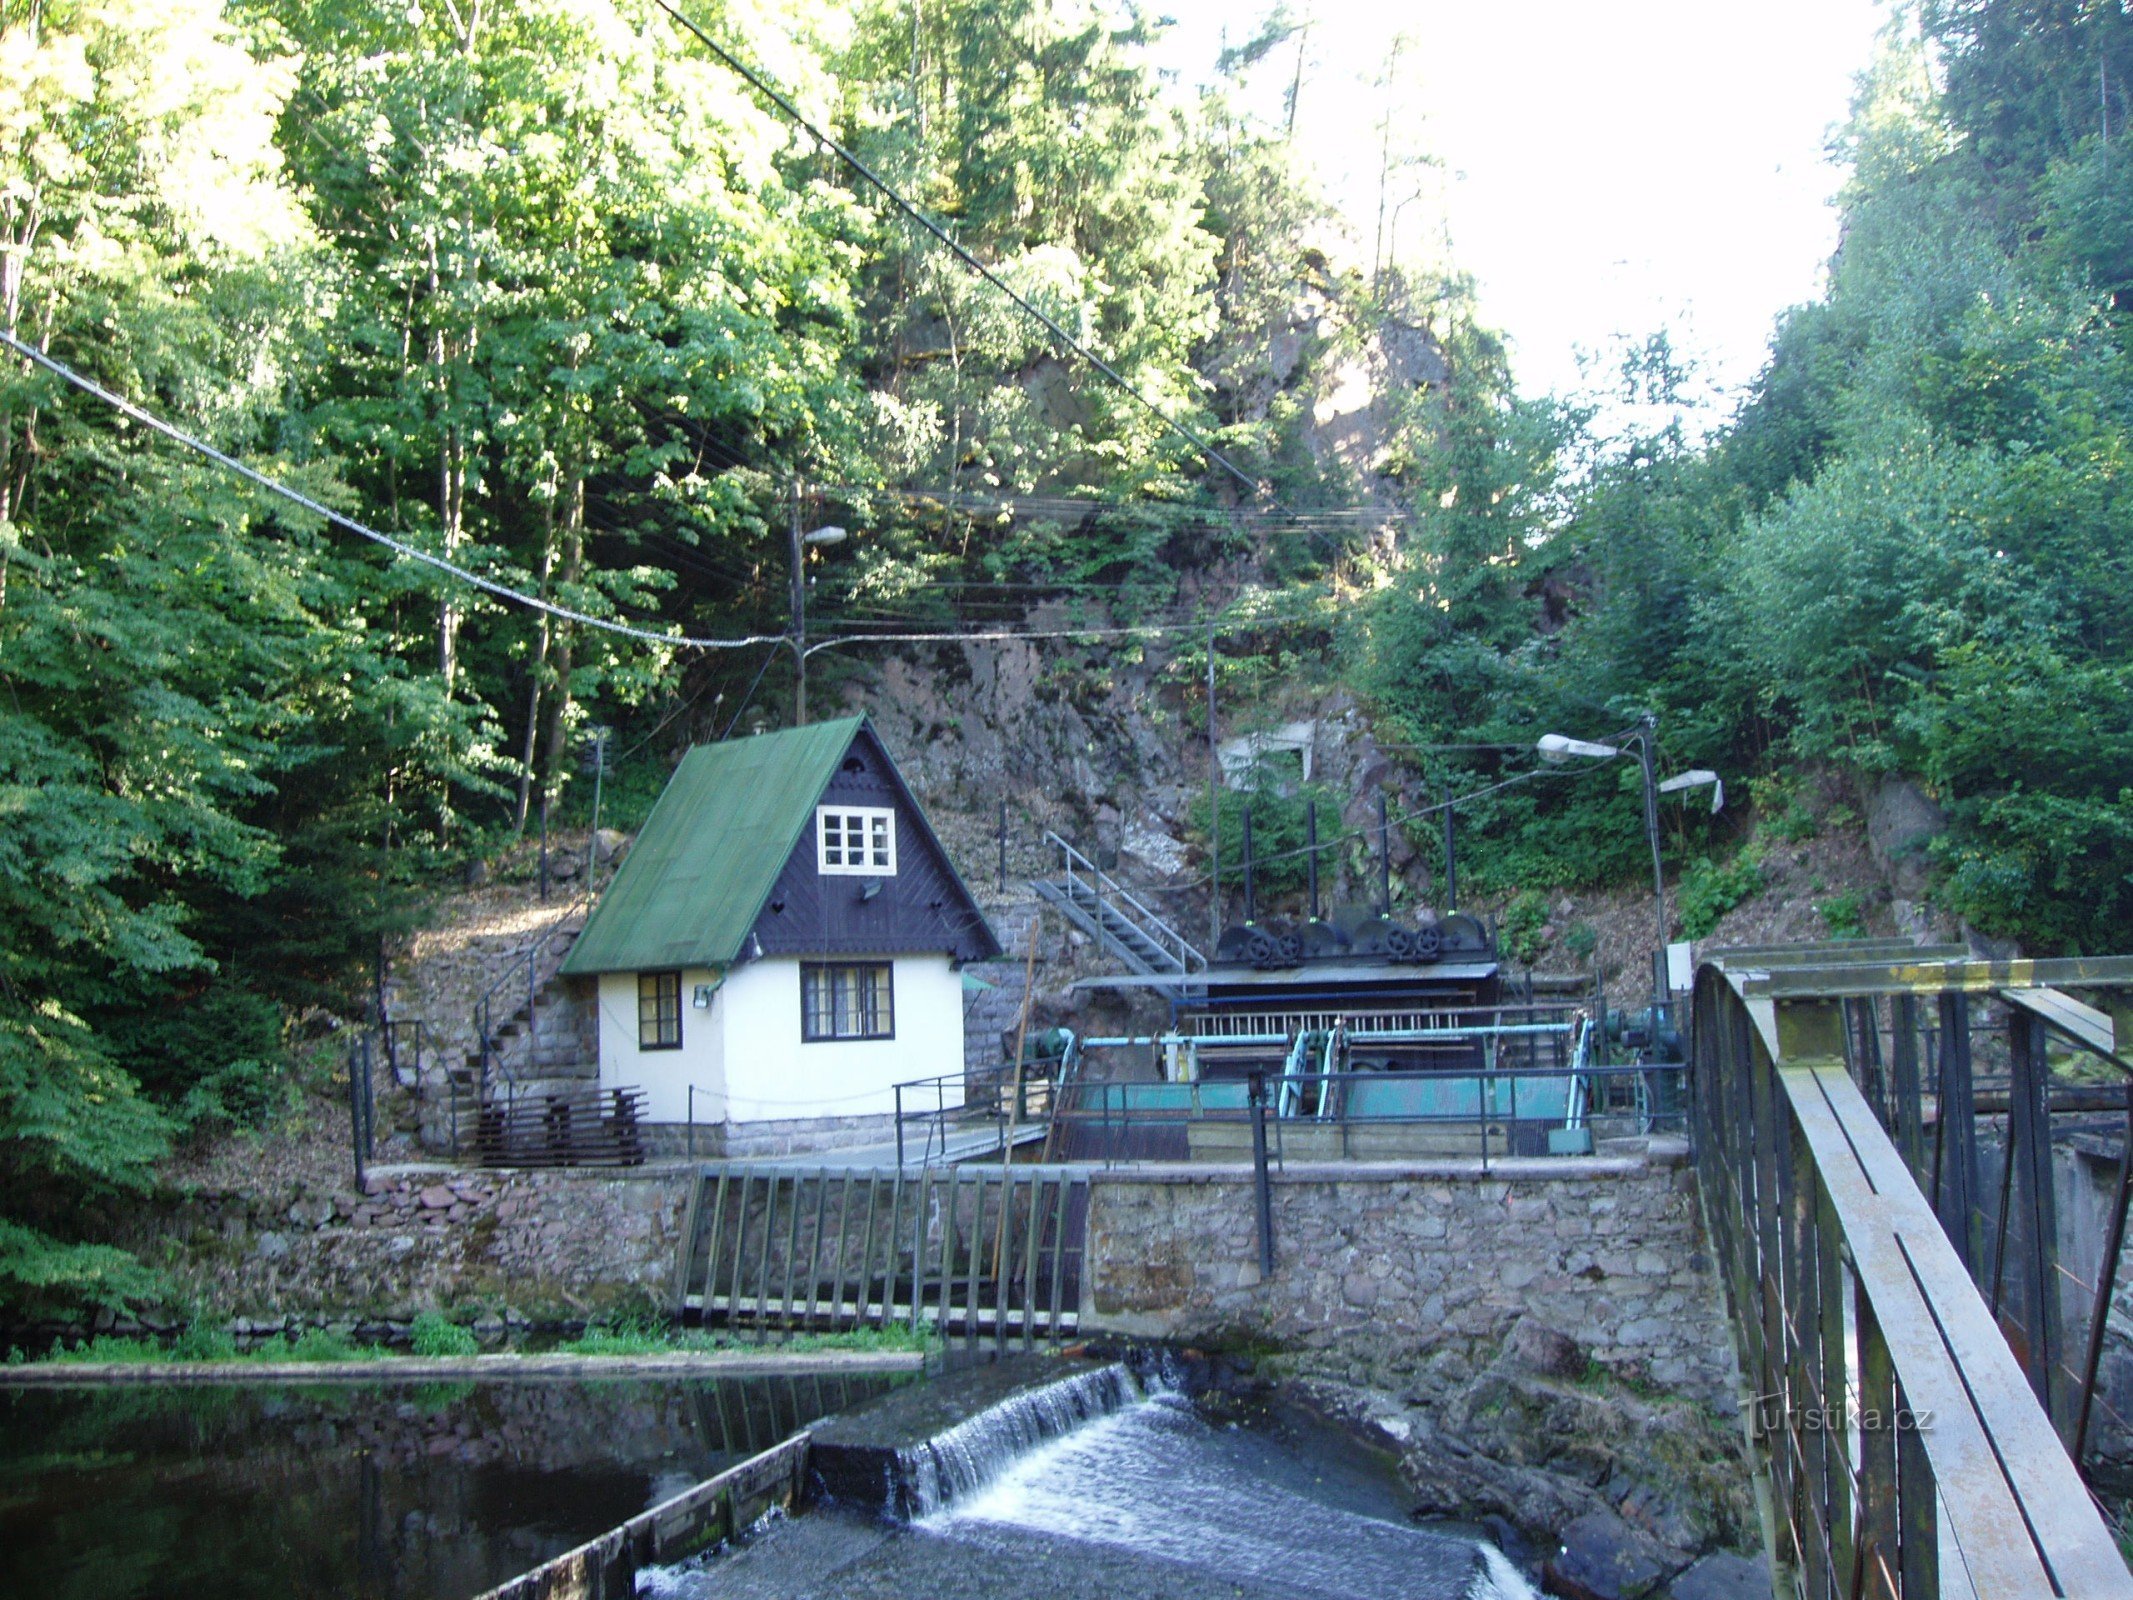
point(877, 841)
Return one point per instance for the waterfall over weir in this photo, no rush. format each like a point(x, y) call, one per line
point(1085, 1485)
point(948, 1467)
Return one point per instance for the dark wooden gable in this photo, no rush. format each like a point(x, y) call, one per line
point(922, 907)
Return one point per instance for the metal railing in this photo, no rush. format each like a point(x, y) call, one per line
point(1908, 1449)
point(1079, 874)
point(956, 1117)
point(527, 971)
point(1491, 1113)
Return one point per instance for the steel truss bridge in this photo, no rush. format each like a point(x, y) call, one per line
point(1873, 1125)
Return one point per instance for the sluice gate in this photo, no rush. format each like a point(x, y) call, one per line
point(987, 1253)
point(1919, 1404)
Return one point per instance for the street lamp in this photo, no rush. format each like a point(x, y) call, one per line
point(800, 541)
point(1697, 779)
point(1556, 748)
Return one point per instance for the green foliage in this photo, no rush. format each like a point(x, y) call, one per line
point(1581, 939)
point(1844, 915)
point(204, 1341)
point(1709, 890)
point(1519, 929)
point(652, 1337)
point(434, 1334)
point(1280, 826)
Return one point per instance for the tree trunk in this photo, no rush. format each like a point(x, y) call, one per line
point(535, 675)
point(559, 701)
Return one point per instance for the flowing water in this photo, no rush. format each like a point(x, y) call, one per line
point(380, 1491)
point(1097, 1491)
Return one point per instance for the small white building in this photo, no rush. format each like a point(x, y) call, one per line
point(782, 946)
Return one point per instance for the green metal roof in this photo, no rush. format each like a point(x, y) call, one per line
point(696, 879)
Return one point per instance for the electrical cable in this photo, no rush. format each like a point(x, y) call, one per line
point(896, 199)
point(201, 447)
point(501, 591)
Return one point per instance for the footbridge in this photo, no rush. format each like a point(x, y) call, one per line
point(1873, 1133)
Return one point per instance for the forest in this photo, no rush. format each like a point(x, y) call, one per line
point(547, 290)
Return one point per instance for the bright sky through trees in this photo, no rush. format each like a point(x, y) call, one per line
point(1605, 168)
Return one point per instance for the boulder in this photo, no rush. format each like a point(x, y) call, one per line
point(1535, 1347)
point(1901, 821)
point(1724, 1576)
point(1604, 1558)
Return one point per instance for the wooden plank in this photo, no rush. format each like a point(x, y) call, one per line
point(1059, 1228)
point(983, 1181)
point(718, 1233)
point(771, 1182)
point(792, 1252)
point(1029, 1259)
point(890, 1235)
point(1003, 1257)
point(1878, 1555)
point(918, 1243)
point(1836, 980)
point(671, 1531)
point(2091, 1029)
point(1997, 1464)
point(814, 1248)
point(946, 1275)
point(844, 1223)
point(685, 1262)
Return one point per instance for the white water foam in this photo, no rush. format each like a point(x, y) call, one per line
point(1157, 1480)
point(953, 1465)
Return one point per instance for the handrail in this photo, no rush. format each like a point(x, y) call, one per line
point(528, 962)
point(1901, 1431)
point(1186, 953)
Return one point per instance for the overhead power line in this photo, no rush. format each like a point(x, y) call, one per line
point(149, 420)
point(777, 98)
point(503, 591)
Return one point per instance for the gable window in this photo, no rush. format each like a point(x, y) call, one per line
point(847, 1000)
point(659, 1011)
point(856, 841)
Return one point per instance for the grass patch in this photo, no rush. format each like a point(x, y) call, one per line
point(641, 1339)
point(435, 1335)
point(212, 1344)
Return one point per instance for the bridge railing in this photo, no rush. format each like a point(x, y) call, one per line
point(1908, 1452)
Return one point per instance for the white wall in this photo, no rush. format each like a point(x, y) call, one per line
point(771, 1076)
point(664, 1075)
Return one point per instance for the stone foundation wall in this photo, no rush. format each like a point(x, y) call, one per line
point(1379, 1270)
point(546, 1244)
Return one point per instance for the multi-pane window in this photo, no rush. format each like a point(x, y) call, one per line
point(659, 1011)
point(857, 840)
point(848, 1000)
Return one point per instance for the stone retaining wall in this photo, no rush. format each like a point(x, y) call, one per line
point(1381, 1270)
point(546, 1244)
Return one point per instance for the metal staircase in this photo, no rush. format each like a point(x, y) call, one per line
point(1103, 908)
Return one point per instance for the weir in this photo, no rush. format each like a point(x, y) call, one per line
point(938, 1442)
point(1046, 1462)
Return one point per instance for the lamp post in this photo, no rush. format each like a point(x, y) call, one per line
point(798, 633)
point(1557, 748)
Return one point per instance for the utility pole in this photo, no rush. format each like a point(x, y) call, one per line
point(1647, 730)
point(1214, 807)
point(799, 613)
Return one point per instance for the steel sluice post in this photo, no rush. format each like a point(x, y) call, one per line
point(1262, 1188)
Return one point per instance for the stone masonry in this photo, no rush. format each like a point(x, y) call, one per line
point(550, 1244)
point(1379, 1269)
